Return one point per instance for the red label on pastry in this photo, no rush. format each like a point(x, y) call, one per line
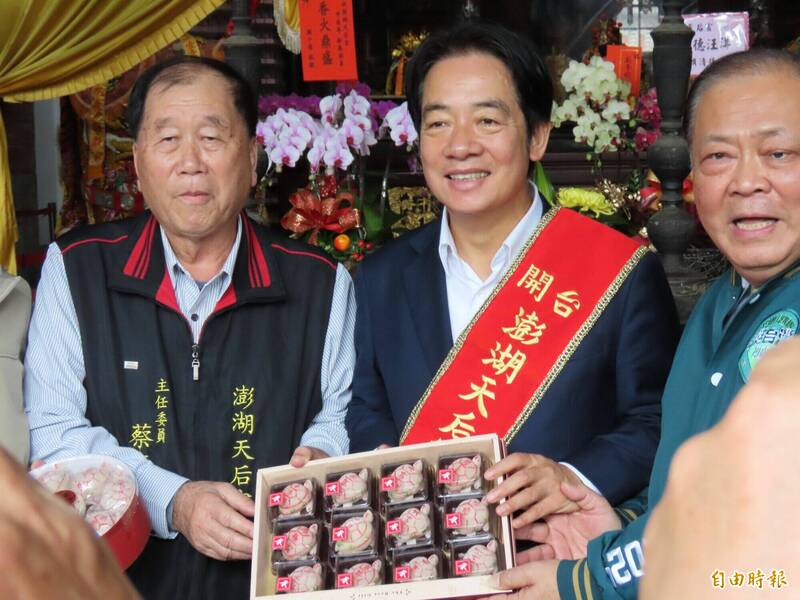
point(394, 527)
point(453, 520)
point(445, 475)
point(463, 567)
point(278, 542)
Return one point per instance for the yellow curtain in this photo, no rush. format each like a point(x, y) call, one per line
point(51, 48)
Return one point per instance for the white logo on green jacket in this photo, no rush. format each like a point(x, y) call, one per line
point(775, 328)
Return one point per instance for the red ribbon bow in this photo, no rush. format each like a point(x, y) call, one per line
point(310, 213)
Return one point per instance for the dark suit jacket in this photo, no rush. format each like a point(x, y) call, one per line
point(602, 414)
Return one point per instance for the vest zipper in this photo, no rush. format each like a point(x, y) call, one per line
point(196, 346)
point(195, 362)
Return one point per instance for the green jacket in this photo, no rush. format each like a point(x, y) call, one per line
point(714, 360)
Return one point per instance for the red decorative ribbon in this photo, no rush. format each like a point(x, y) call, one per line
point(310, 213)
point(650, 195)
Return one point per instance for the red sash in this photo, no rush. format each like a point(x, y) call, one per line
point(526, 331)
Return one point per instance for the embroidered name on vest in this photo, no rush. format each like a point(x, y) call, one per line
point(142, 433)
point(244, 425)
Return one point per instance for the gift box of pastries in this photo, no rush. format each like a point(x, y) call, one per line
point(408, 522)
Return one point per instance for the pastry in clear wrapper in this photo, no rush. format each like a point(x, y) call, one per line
point(298, 543)
point(479, 559)
point(100, 494)
point(295, 499)
point(463, 474)
point(419, 568)
point(469, 517)
point(100, 520)
point(55, 479)
point(306, 578)
point(349, 489)
point(406, 482)
point(354, 535)
point(102, 490)
point(361, 574)
point(411, 526)
point(424, 568)
point(92, 484)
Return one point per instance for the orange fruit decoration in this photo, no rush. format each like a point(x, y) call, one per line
point(341, 242)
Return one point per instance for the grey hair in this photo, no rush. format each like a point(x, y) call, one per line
point(751, 62)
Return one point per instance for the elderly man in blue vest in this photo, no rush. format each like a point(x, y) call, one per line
point(190, 342)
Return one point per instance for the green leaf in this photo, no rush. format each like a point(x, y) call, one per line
point(373, 221)
point(543, 184)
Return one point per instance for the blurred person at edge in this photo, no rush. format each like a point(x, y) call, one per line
point(46, 550)
point(741, 470)
point(15, 311)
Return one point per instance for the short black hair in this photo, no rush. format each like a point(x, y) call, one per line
point(740, 64)
point(183, 69)
point(534, 88)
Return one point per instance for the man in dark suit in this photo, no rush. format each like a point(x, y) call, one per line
point(480, 98)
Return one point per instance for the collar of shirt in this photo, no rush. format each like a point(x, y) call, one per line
point(176, 269)
point(790, 271)
point(197, 302)
point(465, 290)
point(454, 266)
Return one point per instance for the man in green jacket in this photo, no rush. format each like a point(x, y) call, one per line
point(743, 126)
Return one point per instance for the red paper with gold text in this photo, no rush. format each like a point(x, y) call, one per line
point(327, 40)
point(627, 64)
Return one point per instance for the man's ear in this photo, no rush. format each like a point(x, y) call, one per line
point(135, 151)
point(253, 162)
point(539, 139)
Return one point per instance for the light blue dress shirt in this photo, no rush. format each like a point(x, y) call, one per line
point(55, 399)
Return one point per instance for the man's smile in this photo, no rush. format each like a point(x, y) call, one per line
point(467, 175)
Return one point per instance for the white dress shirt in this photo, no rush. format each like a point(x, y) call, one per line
point(466, 292)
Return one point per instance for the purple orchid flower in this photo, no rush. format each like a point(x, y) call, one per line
point(401, 127)
point(329, 108)
point(356, 105)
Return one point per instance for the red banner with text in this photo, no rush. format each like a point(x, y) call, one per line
point(327, 40)
point(627, 64)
